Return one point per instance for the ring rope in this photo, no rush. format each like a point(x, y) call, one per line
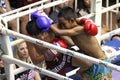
point(10, 60)
point(6, 31)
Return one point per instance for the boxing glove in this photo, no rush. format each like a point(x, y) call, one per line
point(82, 21)
point(50, 54)
point(42, 23)
point(90, 28)
point(59, 42)
point(35, 15)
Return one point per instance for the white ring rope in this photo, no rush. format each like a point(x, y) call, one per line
point(10, 60)
point(110, 8)
point(23, 13)
point(23, 8)
point(109, 34)
point(19, 70)
point(6, 31)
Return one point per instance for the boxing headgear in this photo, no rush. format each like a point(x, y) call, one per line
point(42, 20)
point(42, 23)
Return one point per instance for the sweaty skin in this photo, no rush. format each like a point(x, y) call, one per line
point(88, 44)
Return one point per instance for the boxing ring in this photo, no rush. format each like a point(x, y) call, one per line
point(6, 45)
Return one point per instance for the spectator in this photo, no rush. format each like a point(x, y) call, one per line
point(54, 12)
point(83, 7)
point(48, 10)
point(21, 3)
point(23, 19)
point(2, 71)
point(21, 53)
point(5, 7)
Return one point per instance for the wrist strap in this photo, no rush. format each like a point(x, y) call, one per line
point(75, 47)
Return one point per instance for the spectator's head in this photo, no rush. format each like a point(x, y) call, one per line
point(118, 19)
point(87, 3)
point(21, 52)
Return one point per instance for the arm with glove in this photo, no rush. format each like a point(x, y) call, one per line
point(89, 26)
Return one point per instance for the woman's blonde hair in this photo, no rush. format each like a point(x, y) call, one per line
point(16, 47)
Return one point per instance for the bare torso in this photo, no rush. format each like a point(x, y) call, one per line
point(88, 44)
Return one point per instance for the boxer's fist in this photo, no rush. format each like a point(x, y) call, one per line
point(82, 21)
point(90, 28)
point(50, 54)
point(59, 42)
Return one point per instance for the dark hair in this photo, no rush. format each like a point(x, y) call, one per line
point(31, 28)
point(67, 13)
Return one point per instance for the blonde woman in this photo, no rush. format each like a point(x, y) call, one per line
point(21, 53)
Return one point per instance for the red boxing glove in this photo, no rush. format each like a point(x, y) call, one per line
point(90, 28)
point(59, 42)
point(83, 20)
point(50, 54)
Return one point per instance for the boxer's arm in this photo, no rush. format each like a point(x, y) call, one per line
point(36, 58)
point(67, 32)
point(68, 40)
point(89, 26)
